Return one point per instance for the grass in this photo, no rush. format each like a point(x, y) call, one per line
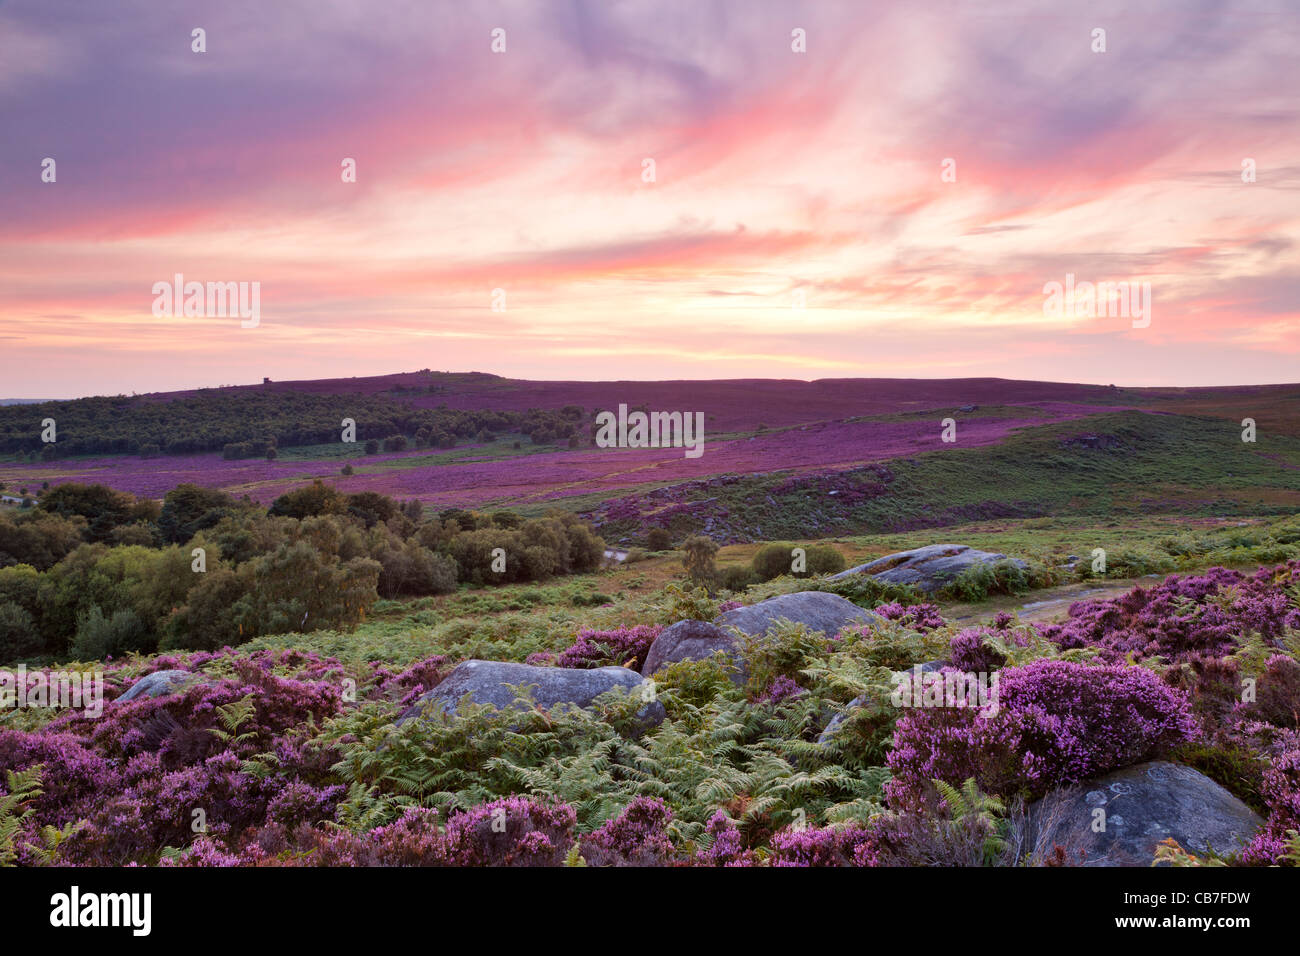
point(1163, 464)
point(512, 621)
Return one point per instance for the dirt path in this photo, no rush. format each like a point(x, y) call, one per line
point(1049, 604)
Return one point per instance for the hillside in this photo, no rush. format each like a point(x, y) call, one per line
point(834, 455)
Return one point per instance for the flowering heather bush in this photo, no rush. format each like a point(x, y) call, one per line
point(414, 839)
point(1058, 723)
point(827, 846)
point(619, 646)
point(782, 688)
point(1277, 694)
point(971, 654)
point(417, 679)
point(515, 831)
point(1183, 616)
point(636, 837)
point(180, 727)
point(726, 848)
point(73, 774)
point(918, 617)
point(1281, 791)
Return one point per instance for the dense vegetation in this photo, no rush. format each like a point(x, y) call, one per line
point(296, 761)
point(246, 423)
point(92, 573)
point(1130, 464)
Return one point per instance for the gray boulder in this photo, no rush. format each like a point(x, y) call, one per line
point(692, 641)
point(486, 683)
point(1143, 805)
point(928, 568)
point(819, 610)
point(161, 683)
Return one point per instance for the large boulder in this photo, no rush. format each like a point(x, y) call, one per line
point(488, 682)
point(928, 568)
point(161, 683)
point(1143, 805)
point(819, 610)
point(692, 641)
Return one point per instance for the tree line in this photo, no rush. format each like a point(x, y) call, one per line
point(249, 423)
point(92, 572)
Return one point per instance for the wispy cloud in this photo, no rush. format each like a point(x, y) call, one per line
point(782, 180)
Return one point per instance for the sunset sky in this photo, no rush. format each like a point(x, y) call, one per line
point(777, 173)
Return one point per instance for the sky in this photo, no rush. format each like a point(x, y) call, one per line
point(890, 202)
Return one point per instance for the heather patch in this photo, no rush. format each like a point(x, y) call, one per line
point(288, 755)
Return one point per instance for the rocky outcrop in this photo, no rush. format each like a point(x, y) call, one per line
point(928, 568)
point(818, 610)
point(1140, 806)
point(696, 640)
point(489, 682)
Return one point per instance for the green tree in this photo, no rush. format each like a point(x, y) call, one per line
point(699, 558)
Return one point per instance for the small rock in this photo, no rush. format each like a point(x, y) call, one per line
point(161, 683)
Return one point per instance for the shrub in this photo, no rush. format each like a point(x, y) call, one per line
point(916, 617)
point(636, 837)
point(99, 637)
point(1057, 723)
point(316, 499)
point(18, 636)
point(772, 560)
point(1182, 617)
point(1280, 788)
point(823, 559)
point(623, 646)
point(725, 846)
point(973, 655)
point(413, 570)
point(827, 846)
point(515, 831)
point(658, 539)
point(736, 577)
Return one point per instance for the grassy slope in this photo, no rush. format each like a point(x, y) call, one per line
point(511, 622)
point(1163, 464)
